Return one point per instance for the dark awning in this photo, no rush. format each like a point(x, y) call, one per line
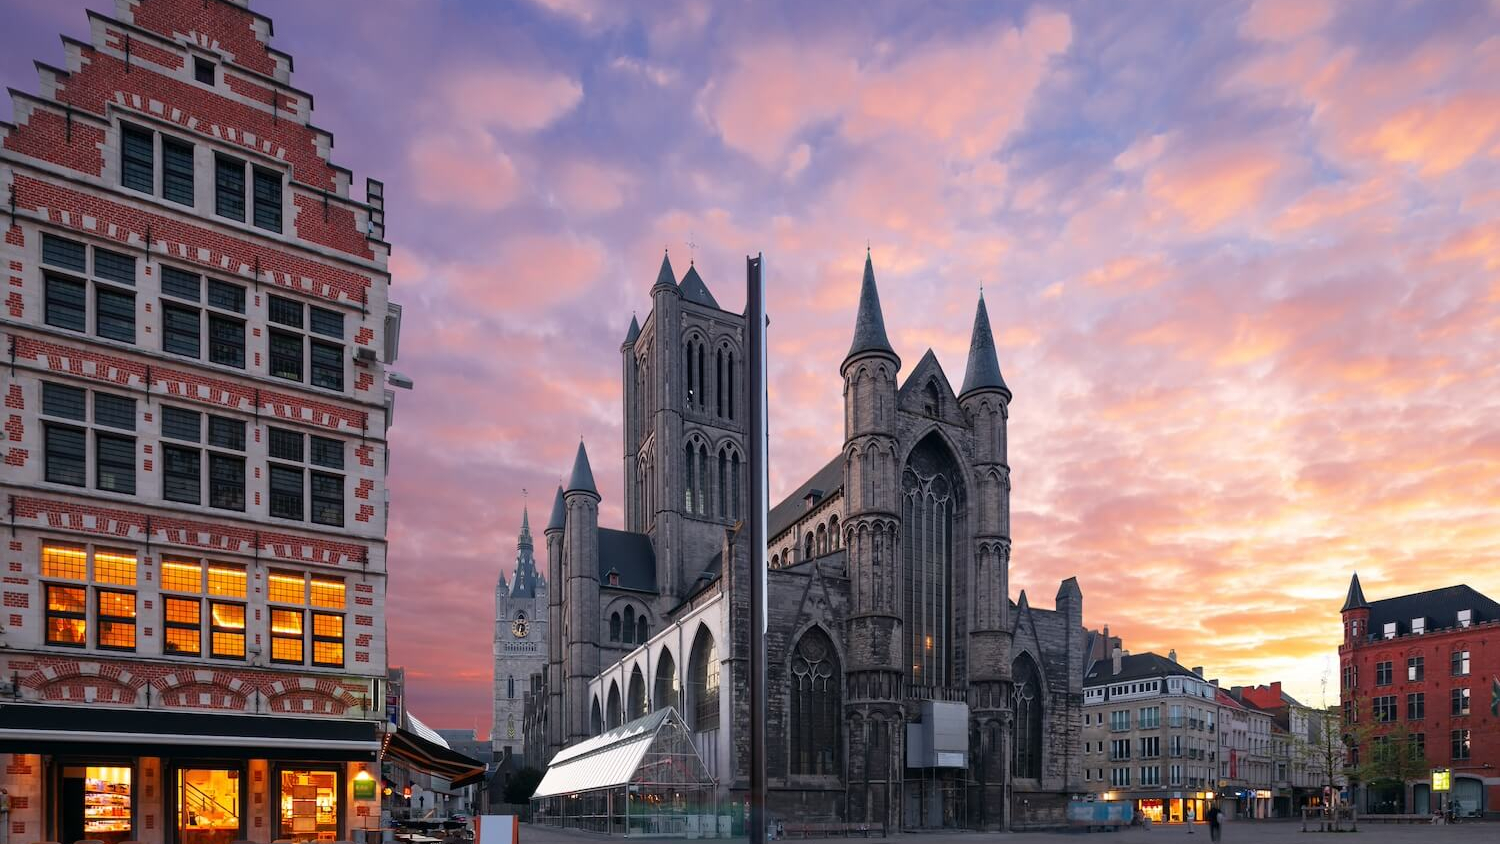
point(36, 728)
point(432, 758)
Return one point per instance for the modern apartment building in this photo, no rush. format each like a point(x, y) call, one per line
point(197, 329)
point(1423, 671)
point(1150, 735)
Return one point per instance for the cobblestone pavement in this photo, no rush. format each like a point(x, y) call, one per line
point(1243, 832)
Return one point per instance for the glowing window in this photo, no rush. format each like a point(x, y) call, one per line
point(288, 589)
point(328, 639)
point(286, 636)
point(226, 581)
point(65, 561)
point(184, 626)
point(181, 576)
point(116, 567)
point(228, 632)
point(328, 593)
point(66, 610)
point(116, 620)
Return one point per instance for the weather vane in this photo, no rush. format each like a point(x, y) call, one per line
point(692, 249)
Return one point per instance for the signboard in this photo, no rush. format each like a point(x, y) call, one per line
point(1442, 779)
point(364, 789)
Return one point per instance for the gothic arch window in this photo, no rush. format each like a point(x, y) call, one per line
point(775, 561)
point(822, 540)
point(931, 400)
point(719, 383)
point(596, 721)
point(667, 691)
point(690, 465)
point(614, 705)
point(816, 708)
point(807, 546)
point(614, 627)
point(1026, 744)
point(629, 629)
point(703, 681)
point(637, 706)
point(931, 514)
point(641, 629)
point(729, 381)
point(734, 485)
point(688, 371)
point(702, 479)
point(510, 686)
point(833, 531)
point(723, 483)
point(702, 396)
point(520, 615)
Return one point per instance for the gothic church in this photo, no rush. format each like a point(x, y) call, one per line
point(905, 687)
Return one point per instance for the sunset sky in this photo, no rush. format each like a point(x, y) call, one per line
point(1243, 263)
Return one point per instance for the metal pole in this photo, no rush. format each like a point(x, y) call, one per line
point(755, 312)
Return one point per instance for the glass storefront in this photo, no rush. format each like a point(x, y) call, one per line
point(309, 804)
point(1172, 810)
point(97, 802)
point(208, 805)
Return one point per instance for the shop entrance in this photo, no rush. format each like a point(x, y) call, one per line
point(309, 804)
point(96, 802)
point(208, 805)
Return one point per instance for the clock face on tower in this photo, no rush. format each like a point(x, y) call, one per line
point(518, 628)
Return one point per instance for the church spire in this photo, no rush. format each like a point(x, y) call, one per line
point(524, 541)
point(632, 332)
point(559, 513)
point(983, 371)
point(1356, 597)
point(582, 479)
point(665, 276)
point(869, 323)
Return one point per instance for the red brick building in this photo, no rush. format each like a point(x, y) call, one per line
point(1426, 666)
point(196, 326)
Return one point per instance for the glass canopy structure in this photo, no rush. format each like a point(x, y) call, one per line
point(641, 778)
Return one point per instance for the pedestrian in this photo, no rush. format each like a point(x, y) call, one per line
point(1214, 830)
point(1190, 818)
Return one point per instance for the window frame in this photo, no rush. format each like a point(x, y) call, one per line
point(158, 177)
point(208, 315)
point(312, 341)
point(209, 454)
point(207, 596)
point(92, 432)
point(308, 610)
point(88, 581)
point(311, 467)
point(92, 285)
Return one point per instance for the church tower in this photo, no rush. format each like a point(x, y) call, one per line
point(985, 400)
point(871, 529)
point(556, 729)
point(520, 643)
point(580, 565)
point(683, 372)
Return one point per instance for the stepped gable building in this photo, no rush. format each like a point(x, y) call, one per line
point(906, 689)
point(1424, 669)
point(193, 640)
point(520, 648)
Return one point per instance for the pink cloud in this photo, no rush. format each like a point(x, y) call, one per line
point(464, 169)
point(588, 187)
point(521, 100)
point(1279, 20)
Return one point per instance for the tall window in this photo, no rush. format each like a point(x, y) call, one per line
point(231, 175)
point(66, 446)
point(1026, 745)
point(295, 477)
point(932, 495)
point(1461, 744)
point(1415, 667)
point(690, 462)
point(139, 150)
point(667, 691)
point(291, 623)
point(637, 699)
point(67, 280)
point(816, 713)
point(629, 630)
point(183, 458)
point(703, 676)
point(613, 706)
point(296, 346)
point(1460, 663)
point(69, 573)
point(614, 627)
point(198, 591)
point(199, 314)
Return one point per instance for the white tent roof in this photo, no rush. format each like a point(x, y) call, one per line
point(606, 760)
point(425, 731)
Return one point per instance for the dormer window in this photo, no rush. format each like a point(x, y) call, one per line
point(614, 578)
point(1390, 630)
point(203, 70)
point(1418, 626)
point(1465, 618)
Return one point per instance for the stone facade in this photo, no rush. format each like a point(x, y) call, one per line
point(196, 416)
point(888, 587)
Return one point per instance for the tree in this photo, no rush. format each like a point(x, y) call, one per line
point(1396, 758)
point(521, 785)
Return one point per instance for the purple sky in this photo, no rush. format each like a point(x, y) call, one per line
point(1243, 263)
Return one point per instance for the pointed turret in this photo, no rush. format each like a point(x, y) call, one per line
point(559, 513)
point(869, 322)
point(665, 276)
point(633, 332)
point(1356, 597)
point(694, 290)
point(983, 372)
point(582, 479)
point(524, 540)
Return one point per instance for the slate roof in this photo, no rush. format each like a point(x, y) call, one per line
point(695, 291)
point(582, 479)
point(665, 274)
point(791, 508)
point(869, 322)
point(633, 332)
point(559, 512)
point(629, 554)
point(1134, 667)
point(983, 370)
point(1356, 597)
point(1438, 606)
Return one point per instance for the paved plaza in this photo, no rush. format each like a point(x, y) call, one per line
point(1244, 832)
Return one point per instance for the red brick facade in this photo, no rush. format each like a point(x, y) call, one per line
point(201, 76)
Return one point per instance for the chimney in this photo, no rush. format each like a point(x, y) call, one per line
point(1116, 657)
point(1172, 654)
point(1198, 669)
